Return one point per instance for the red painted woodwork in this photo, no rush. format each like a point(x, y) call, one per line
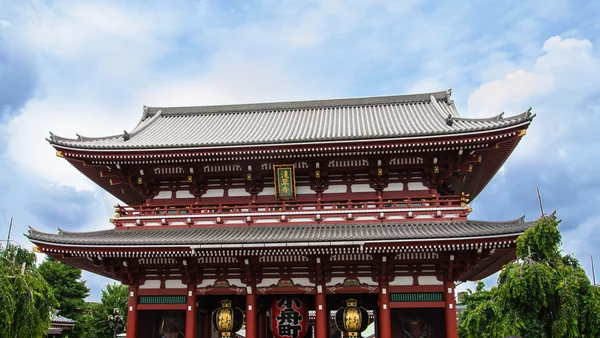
point(417, 305)
point(162, 306)
point(191, 313)
point(450, 310)
point(132, 312)
point(385, 322)
point(162, 292)
point(321, 317)
point(251, 315)
point(415, 288)
point(282, 212)
point(261, 324)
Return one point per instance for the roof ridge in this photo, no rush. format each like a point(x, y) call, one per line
point(294, 105)
point(526, 114)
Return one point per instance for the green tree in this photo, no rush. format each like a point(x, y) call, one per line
point(542, 295)
point(113, 296)
point(69, 290)
point(26, 299)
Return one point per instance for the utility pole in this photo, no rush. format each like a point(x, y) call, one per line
point(593, 272)
point(9, 231)
point(540, 201)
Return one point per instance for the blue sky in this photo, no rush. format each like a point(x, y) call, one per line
point(88, 67)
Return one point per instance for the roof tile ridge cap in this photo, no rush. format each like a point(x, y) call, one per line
point(34, 230)
point(66, 232)
point(527, 114)
point(55, 139)
point(307, 104)
point(517, 220)
point(436, 105)
point(146, 122)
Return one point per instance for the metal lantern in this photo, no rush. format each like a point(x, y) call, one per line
point(289, 317)
point(226, 319)
point(352, 318)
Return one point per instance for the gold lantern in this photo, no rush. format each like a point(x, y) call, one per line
point(352, 318)
point(227, 319)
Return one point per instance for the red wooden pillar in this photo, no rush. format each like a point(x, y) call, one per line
point(450, 309)
point(385, 322)
point(207, 326)
point(190, 312)
point(384, 313)
point(251, 315)
point(132, 312)
point(261, 327)
point(321, 318)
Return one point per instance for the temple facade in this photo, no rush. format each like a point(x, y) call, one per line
point(295, 219)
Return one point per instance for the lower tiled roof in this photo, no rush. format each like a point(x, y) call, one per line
point(284, 233)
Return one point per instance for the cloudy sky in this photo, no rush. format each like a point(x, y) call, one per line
point(88, 67)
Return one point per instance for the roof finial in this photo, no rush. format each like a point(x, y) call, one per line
point(501, 116)
point(51, 136)
point(449, 92)
point(449, 120)
point(125, 135)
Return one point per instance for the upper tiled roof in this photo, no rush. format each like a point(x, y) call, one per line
point(400, 116)
point(284, 234)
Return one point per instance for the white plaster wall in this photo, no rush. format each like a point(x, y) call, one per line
point(268, 282)
point(174, 284)
point(336, 189)
point(401, 281)
point(336, 280)
point(163, 195)
point(416, 186)
point(214, 193)
point(429, 280)
point(150, 284)
point(361, 188)
point(304, 190)
point(395, 187)
point(238, 192)
point(183, 194)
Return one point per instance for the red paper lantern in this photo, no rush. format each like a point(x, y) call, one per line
point(289, 317)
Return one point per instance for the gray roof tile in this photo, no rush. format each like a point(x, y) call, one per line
point(400, 116)
point(284, 234)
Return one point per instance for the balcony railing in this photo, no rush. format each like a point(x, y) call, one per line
point(292, 211)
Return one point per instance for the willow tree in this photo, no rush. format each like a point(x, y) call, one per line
point(26, 300)
point(544, 294)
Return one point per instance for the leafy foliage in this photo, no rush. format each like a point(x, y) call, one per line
point(26, 298)
point(114, 296)
point(541, 295)
point(68, 288)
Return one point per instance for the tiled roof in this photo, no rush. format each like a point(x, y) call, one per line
point(284, 234)
point(400, 116)
point(58, 319)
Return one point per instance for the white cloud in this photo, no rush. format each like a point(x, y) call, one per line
point(582, 241)
point(558, 86)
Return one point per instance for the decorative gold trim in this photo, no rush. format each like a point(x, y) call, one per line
point(190, 179)
point(59, 154)
point(140, 180)
point(317, 173)
point(479, 158)
point(470, 168)
point(248, 177)
point(36, 249)
point(436, 169)
point(521, 132)
point(379, 171)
